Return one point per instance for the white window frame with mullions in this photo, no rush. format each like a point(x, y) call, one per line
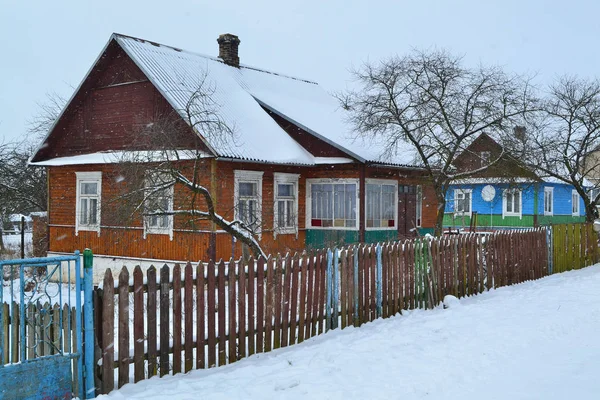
point(285, 203)
point(244, 200)
point(548, 201)
point(509, 203)
point(460, 195)
point(88, 201)
point(328, 209)
point(575, 209)
point(381, 204)
point(158, 224)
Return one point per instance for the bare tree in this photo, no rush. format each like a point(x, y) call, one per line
point(430, 100)
point(564, 142)
point(177, 164)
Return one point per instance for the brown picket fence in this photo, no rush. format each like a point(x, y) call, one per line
point(213, 314)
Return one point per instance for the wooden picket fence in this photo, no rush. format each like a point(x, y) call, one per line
point(213, 314)
point(574, 246)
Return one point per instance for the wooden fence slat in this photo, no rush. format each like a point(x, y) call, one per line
point(309, 293)
point(222, 317)
point(303, 270)
point(177, 317)
point(188, 312)
point(322, 284)
point(277, 302)
point(200, 317)
point(270, 293)
point(316, 292)
point(211, 314)
point(138, 325)
point(285, 320)
point(294, 277)
point(151, 321)
point(123, 327)
point(108, 318)
point(164, 320)
point(260, 304)
point(251, 304)
point(343, 274)
point(361, 284)
point(241, 311)
point(232, 314)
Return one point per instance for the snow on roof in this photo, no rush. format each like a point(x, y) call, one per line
point(239, 94)
point(113, 157)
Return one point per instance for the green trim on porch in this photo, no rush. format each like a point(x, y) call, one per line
point(496, 220)
point(320, 238)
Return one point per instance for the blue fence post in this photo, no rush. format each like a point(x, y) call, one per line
point(329, 287)
point(88, 311)
point(336, 289)
point(1, 320)
point(78, 289)
point(378, 280)
point(355, 292)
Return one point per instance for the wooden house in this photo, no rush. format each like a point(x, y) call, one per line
point(506, 195)
point(290, 165)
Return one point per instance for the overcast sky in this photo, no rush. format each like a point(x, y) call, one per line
point(48, 46)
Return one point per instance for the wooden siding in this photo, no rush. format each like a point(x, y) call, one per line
point(122, 234)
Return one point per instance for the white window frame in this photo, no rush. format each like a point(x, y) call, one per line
point(88, 177)
point(290, 179)
point(382, 182)
point(506, 213)
point(151, 230)
point(251, 177)
point(575, 200)
point(549, 191)
point(463, 191)
point(310, 182)
point(419, 207)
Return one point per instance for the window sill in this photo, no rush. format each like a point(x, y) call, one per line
point(382, 228)
point(332, 228)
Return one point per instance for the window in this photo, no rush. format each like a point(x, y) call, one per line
point(87, 208)
point(332, 204)
point(381, 204)
point(548, 201)
point(247, 197)
point(575, 202)
point(419, 206)
point(286, 203)
point(485, 158)
point(462, 201)
point(512, 203)
point(159, 198)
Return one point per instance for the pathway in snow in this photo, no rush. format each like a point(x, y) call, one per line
point(537, 340)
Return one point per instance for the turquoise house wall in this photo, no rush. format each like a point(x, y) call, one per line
point(490, 213)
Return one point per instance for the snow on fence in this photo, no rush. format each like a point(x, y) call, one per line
point(218, 313)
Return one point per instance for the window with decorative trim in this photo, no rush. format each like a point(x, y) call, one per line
point(548, 201)
point(575, 203)
point(463, 201)
point(332, 203)
point(381, 204)
point(285, 203)
point(512, 203)
point(87, 207)
point(159, 199)
point(248, 198)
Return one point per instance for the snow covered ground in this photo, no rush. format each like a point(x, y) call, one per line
point(537, 340)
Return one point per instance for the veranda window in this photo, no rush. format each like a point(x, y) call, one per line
point(381, 205)
point(333, 205)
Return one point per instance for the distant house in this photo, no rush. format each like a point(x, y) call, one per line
point(506, 195)
point(16, 222)
point(293, 167)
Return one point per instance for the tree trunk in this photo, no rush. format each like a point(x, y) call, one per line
point(439, 220)
point(591, 212)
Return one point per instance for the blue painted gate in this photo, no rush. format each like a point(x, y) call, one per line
point(45, 349)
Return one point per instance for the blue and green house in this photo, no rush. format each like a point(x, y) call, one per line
point(514, 205)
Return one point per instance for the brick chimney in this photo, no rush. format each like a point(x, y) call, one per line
point(228, 49)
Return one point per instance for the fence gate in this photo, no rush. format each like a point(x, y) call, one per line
point(43, 343)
